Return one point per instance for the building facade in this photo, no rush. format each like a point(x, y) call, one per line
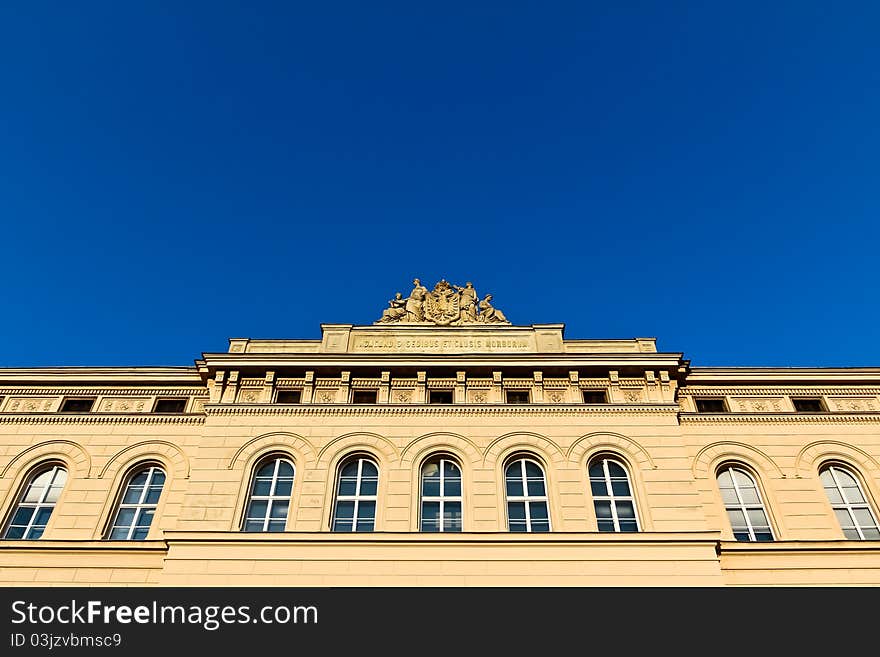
point(441, 445)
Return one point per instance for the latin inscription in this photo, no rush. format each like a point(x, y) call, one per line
point(441, 344)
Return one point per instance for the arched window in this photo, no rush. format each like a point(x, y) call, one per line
point(356, 488)
point(269, 498)
point(527, 509)
point(138, 504)
point(441, 495)
point(31, 514)
point(850, 505)
point(745, 510)
point(612, 496)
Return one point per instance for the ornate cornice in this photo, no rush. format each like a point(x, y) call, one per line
point(100, 418)
point(781, 418)
point(453, 410)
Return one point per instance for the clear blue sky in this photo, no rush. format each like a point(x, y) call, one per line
point(176, 173)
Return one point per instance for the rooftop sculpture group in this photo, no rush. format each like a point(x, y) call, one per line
point(445, 305)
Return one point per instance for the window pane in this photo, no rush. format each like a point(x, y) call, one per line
point(431, 470)
point(285, 469)
point(845, 478)
point(133, 495)
point(34, 493)
point(516, 511)
point(625, 510)
point(42, 516)
point(366, 510)
point(596, 471)
point(452, 487)
point(145, 518)
point(628, 526)
point(598, 487)
point(834, 495)
point(431, 487)
point(119, 533)
point(532, 470)
point(538, 511)
point(279, 510)
point(253, 526)
point(262, 486)
point(345, 510)
point(603, 509)
point(853, 495)
point(139, 479)
point(517, 526)
point(763, 536)
point(347, 486)
point(430, 525)
point(616, 470)
point(514, 487)
point(369, 486)
point(450, 469)
point(758, 518)
point(257, 509)
point(452, 516)
point(23, 515)
point(606, 525)
point(15, 531)
point(350, 469)
point(724, 479)
point(125, 518)
point(742, 479)
point(742, 536)
point(750, 496)
point(54, 494)
point(536, 487)
point(342, 525)
point(541, 526)
point(369, 470)
point(283, 487)
point(431, 516)
point(276, 525)
point(153, 494)
point(620, 488)
point(871, 534)
point(140, 533)
point(729, 496)
point(863, 518)
point(852, 534)
point(35, 533)
point(431, 510)
point(827, 479)
point(266, 470)
point(365, 525)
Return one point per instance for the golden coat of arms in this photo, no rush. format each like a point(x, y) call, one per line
point(443, 304)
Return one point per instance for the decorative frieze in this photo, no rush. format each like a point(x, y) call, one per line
point(124, 405)
point(325, 396)
point(850, 404)
point(759, 404)
point(31, 404)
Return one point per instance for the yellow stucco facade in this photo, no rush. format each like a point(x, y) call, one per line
point(369, 391)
